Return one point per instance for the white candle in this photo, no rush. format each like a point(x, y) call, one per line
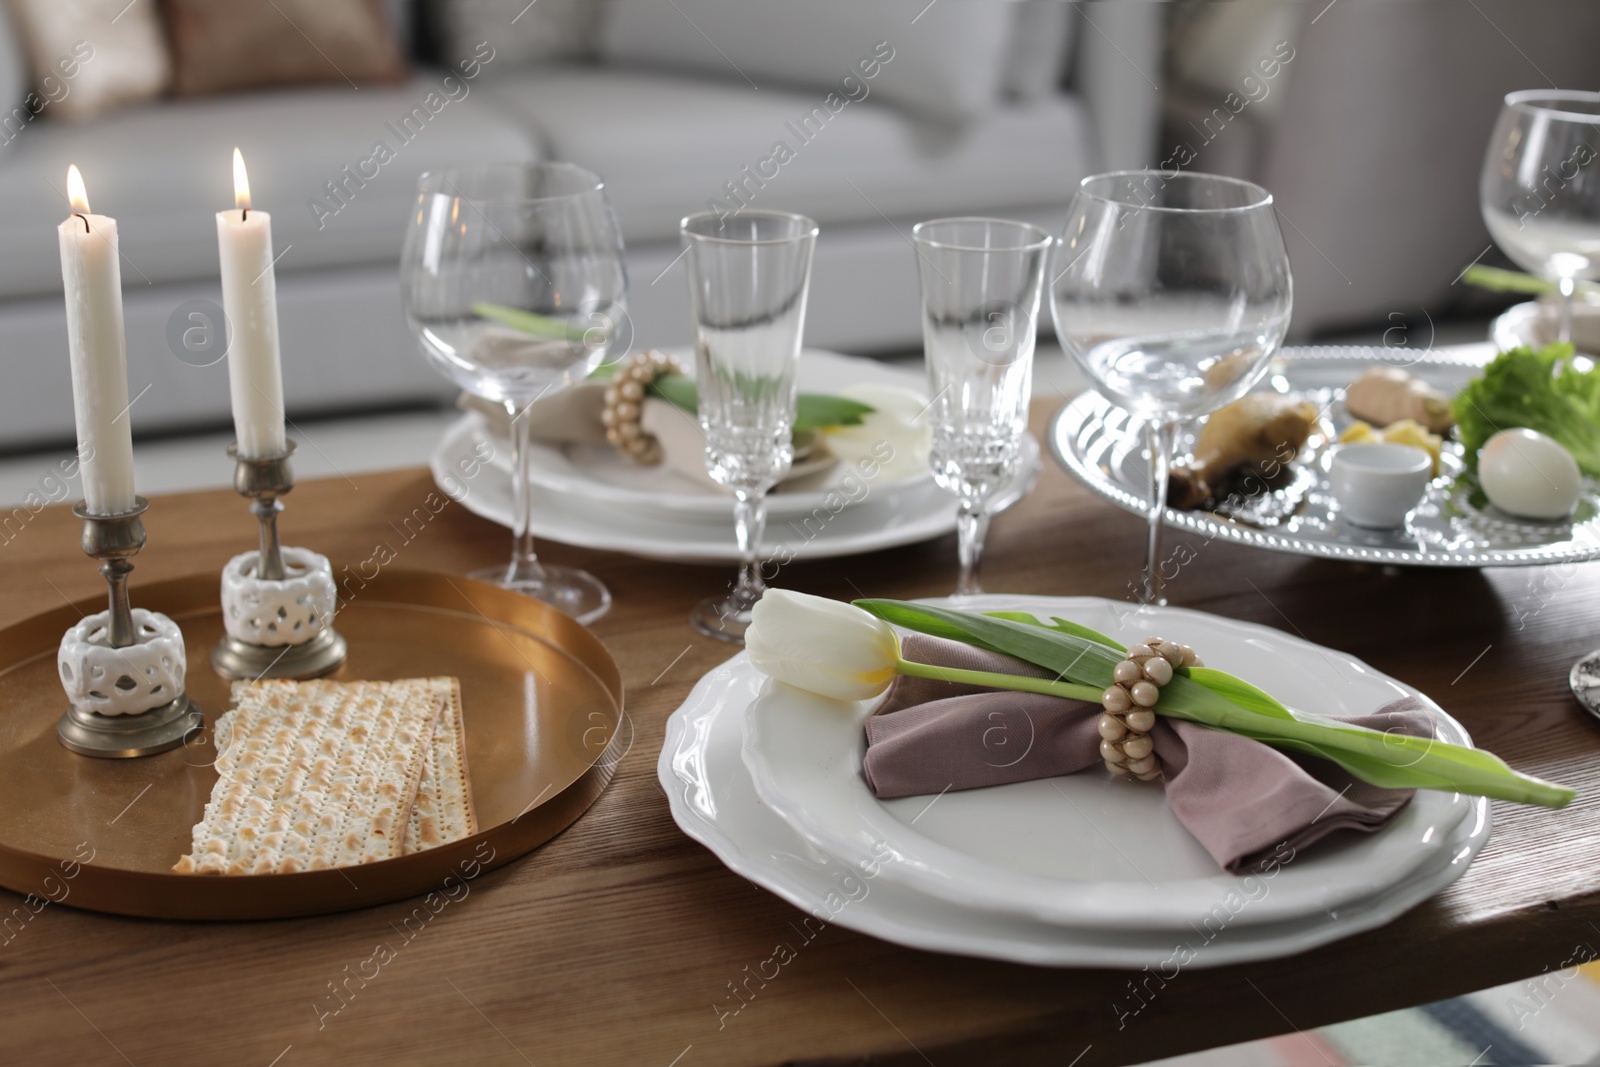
point(92, 275)
point(250, 301)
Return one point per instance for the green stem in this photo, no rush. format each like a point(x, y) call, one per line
point(528, 322)
point(1499, 280)
point(1016, 682)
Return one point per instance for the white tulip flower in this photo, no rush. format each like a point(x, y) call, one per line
point(896, 420)
point(823, 646)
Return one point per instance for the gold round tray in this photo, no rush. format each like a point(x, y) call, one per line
point(542, 703)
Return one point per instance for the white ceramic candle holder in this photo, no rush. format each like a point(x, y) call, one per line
point(122, 681)
point(123, 669)
point(289, 611)
point(277, 603)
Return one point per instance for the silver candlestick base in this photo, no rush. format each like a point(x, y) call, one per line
point(278, 603)
point(242, 661)
point(123, 669)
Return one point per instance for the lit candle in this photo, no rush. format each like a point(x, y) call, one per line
point(250, 301)
point(92, 275)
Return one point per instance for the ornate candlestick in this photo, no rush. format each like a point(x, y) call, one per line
point(123, 668)
point(277, 603)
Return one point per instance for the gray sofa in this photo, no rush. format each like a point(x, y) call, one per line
point(1371, 137)
point(666, 143)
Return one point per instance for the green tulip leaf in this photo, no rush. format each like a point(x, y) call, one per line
point(529, 323)
point(1219, 700)
point(812, 411)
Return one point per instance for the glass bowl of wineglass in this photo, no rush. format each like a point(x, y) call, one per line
point(512, 281)
point(1172, 291)
point(1539, 190)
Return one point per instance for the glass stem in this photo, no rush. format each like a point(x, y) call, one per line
point(972, 526)
point(1567, 287)
point(1160, 438)
point(749, 524)
point(524, 562)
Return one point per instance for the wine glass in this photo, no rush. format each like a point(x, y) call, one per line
point(1539, 195)
point(749, 275)
point(512, 280)
point(1172, 291)
point(981, 280)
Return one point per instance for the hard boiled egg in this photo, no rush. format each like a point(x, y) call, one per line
point(1526, 473)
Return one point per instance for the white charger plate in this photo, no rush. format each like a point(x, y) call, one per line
point(889, 516)
point(1086, 849)
point(600, 474)
point(713, 801)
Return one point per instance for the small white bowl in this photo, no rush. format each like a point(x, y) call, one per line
point(1377, 485)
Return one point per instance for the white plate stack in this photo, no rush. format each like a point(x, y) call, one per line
point(589, 496)
point(1079, 870)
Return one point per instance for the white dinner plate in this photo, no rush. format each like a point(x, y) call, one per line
point(1087, 849)
point(599, 473)
point(1534, 325)
point(714, 802)
point(888, 516)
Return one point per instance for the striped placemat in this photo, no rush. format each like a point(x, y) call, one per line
point(1552, 1018)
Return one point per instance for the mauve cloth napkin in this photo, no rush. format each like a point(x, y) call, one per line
point(1244, 801)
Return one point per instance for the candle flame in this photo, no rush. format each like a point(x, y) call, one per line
point(241, 183)
point(77, 195)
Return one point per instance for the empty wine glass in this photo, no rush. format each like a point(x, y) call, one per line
point(1172, 291)
point(749, 275)
point(1540, 196)
point(981, 280)
point(512, 280)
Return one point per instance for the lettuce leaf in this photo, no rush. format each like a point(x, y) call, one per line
point(1522, 388)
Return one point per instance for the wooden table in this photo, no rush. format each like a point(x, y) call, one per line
point(613, 943)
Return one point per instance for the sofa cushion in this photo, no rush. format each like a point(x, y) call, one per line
point(670, 146)
point(1038, 58)
point(111, 54)
point(523, 33)
point(948, 60)
point(225, 47)
point(13, 64)
point(163, 171)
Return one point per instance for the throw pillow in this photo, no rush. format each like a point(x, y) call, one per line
point(89, 56)
point(943, 61)
point(522, 33)
point(222, 45)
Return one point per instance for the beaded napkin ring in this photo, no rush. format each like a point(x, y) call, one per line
point(625, 404)
point(1125, 742)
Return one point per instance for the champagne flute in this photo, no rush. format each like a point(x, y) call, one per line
point(1172, 291)
point(1540, 195)
point(512, 280)
point(981, 280)
point(749, 275)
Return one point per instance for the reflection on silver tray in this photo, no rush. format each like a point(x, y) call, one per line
point(1453, 527)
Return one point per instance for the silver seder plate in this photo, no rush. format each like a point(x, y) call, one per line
point(1296, 513)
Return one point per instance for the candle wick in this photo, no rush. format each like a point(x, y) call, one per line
point(244, 213)
point(85, 221)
